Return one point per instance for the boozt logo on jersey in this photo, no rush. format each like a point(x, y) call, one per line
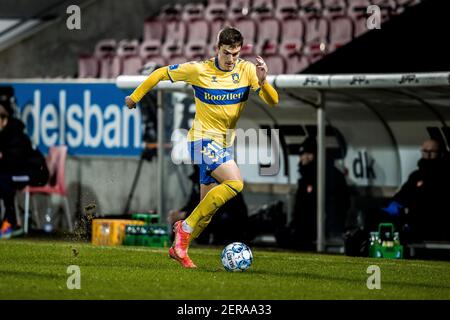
point(221, 96)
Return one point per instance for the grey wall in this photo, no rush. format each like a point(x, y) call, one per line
point(53, 52)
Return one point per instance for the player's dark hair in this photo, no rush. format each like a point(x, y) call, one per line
point(230, 36)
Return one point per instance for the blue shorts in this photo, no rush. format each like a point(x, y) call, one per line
point(208, 155)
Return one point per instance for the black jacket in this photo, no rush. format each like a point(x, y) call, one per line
point(425, 198)
point(337, 203)
point(18, 155)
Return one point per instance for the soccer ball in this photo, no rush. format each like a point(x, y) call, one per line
point(237, 257)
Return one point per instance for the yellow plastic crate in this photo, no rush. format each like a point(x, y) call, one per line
point(110, 232)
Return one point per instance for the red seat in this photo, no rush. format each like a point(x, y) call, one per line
point(239, 9)
point(316, 31)
point(175, 30)
point(126, 60)
point(268, 36)
point(171, 12)
point(333, 8)
point(195, 50)
point(248, 28)
point(198, 31)
point(110, 67)
point(56, 162)
point(275, 63)
point(310, 8)
point(341, 32)
point(87, 66)
point(292, 36)
point(131, 65)
point(286, 9)
point(387, 7)
point(105, 51)
point(172, 48)
point(193, 11)
point(357, 11)
point(105, 47)
point(262, 9)
point(248, 50)
point(216, 11)
point(154, 29)
point(296, 63)
point(128, 47)
point(150, 48)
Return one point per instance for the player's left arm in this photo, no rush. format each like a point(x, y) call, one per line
point(266, 92)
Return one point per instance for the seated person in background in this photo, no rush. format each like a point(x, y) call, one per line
point(303, 228)
point(20, 164)
point(421, 209)
point(229, 224)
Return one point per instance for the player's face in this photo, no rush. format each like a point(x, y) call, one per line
point(227, 56)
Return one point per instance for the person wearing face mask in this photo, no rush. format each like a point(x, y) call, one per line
point(337, 200)
point(421, 209)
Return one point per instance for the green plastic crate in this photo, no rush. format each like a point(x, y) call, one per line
point(150, 235)
point(148, 218)
point(385, 243)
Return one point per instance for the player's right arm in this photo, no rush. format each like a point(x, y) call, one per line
point(152, 80)
point(186, 72)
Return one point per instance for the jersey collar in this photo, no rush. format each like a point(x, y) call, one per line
point(216, 62)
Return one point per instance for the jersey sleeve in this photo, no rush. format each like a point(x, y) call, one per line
point(186, 72)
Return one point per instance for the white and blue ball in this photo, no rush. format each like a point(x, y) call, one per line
point(237, 256)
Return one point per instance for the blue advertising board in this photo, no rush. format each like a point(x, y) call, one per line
point(90, 118)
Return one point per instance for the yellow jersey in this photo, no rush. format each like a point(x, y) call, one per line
point(220, 96)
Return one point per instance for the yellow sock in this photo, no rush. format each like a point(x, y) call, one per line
point(214, 199)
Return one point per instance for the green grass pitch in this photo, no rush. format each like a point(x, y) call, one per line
point(38, 270)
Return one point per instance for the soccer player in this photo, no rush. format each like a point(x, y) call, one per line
point(221, 87)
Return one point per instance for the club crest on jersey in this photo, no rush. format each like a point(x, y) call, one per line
point(235, 77)
point(213, 79)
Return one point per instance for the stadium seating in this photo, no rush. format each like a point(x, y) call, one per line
point(154, 29)
point(296, 63)
point(268, 35)
point(239, 9)
point(275, 63)
point(248, 28)
point(105, 51)
point(286, 9)
point(292, 36)
point(388, 8)
point(357, 11)
point(87, 66)
point(300, 31)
